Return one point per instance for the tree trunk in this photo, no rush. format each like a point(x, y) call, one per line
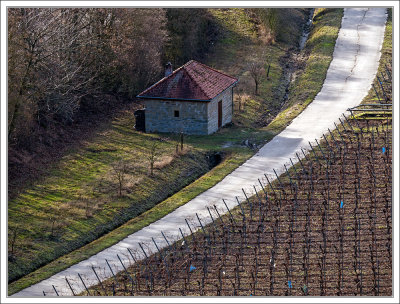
point(256, 86)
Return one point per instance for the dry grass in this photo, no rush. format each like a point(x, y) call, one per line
point(164, 161)
point(89, 170)
point(240, 101)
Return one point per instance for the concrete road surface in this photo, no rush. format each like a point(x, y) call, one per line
point(349, 77)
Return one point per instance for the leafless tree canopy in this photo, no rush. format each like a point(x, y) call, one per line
point(256, 71)
point(153, 155)
point(59, 58)
point(68, 61)
point(120, 169)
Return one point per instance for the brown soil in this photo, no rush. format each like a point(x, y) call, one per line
point(297, 242)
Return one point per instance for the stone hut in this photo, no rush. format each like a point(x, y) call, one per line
point(193, 99)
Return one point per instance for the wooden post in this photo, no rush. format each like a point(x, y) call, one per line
point(240, 205)
point(219, 216)
point(70, 287)
point(55, 290)
point(233, 220)
point(87, 290)
point(112, 272)
point(278, 179)
point(250, 204)
point(127, 273)
point(334, 140)
point(98, 279)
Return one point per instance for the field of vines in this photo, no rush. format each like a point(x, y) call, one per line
point(322, 229)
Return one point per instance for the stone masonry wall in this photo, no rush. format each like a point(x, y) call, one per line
point(212, 110)
point(198, 118)
point(160, 117)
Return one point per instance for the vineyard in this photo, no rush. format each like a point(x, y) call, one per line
point(322, 229)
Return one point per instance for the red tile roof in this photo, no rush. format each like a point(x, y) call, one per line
point(192, 81)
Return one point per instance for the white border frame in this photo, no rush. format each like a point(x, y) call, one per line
point(4, 126)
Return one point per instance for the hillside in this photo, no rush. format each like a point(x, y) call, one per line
point(76, 197)
point(322, 229)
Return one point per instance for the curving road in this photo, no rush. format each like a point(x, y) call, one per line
point(349, 77)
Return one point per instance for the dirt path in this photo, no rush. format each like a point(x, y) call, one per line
point(349, 77)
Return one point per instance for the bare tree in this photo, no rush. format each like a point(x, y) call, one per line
point(120, 169)
point(60, 59)
point(269, 66)
point(88, 209)
point(256, 71)
point(13, 240)
point(58, 219)
point(53, 220)
point(48, 71)
point(241, 102)
point(181, 137)
point(153, 155)
point(241, 92)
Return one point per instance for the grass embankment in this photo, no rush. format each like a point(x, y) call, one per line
point(246, 42)
point(311, 198)
point(87, 175)
point(318, 49)
point(79, 200)
point(81, 219)
point(386, 55)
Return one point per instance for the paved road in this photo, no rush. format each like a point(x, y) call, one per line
point(352, 70)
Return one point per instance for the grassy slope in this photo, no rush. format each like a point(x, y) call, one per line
point(84, 174)
point(386, 56)
point(231, 138)
point(243, 43)
point(320, 45)
point(237, 214)
point(78, 201)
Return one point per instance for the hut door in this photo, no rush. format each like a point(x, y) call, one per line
point(219, 113)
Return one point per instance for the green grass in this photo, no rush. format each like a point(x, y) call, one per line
point(85, 174)
point(319, 47)
point(186, 194)
point(79, 201)
point(248, 46)
point(235, 155)
point(228, 134)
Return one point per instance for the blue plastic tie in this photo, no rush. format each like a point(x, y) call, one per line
point(341, 204)
point(192, 268)
point(383, 150)
point(290, 284)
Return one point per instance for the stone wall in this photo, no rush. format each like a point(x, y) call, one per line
point(160, 116)
point(212, 110)
point(195, 117)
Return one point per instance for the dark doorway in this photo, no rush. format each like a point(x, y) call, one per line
point(219, 114)
point(140, 120)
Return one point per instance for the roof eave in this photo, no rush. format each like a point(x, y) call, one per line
point(168, 98)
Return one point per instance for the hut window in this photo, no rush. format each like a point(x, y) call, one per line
point(176, 113)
